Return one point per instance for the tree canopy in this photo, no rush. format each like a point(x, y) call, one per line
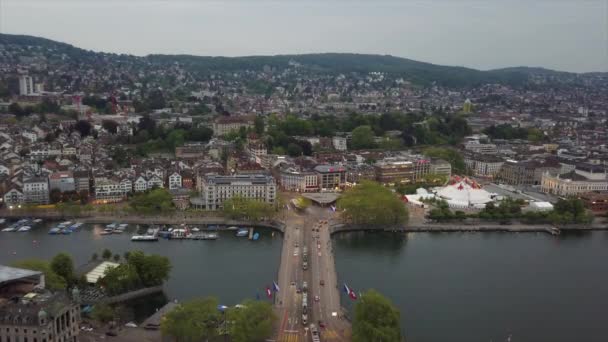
point(63, 266)
point(252, 321)
point(369, 203)
point(153, 201)
point(363, 137)
point(53, 280)
point(139, 271)
point(193, 321)
point(239, 207)
point(376, 319)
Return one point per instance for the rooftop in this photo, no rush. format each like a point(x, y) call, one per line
point(9, 274)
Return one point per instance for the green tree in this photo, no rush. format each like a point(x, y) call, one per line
point(243, 208)
point(63, 266)
point(120, 279)
point(376, 319)
point(193, 321)
point(363, 137)
point(294, 150)
point(102, 313)
point(53, 280)
point(106, 254)
point(371, 204)
point(154, 201)
point(252, 322)
point(258, 125)
point(152, 269)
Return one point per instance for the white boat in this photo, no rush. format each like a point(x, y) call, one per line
point(2, 221)
point(65, 224)
point(8, 229)
point(24, 229)
point(233, 228)
point(122, 226)
point(144, 238)
point(112, 225)
point(76, 225)
point(196, 230)
point(242, 232)
point(36, 221)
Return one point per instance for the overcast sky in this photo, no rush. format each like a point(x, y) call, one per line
point(569, 35)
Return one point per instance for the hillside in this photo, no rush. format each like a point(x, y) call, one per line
point(329, 63)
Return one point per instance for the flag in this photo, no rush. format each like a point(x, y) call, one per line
point(349, 292)
point(268, 292)
point(275, 286)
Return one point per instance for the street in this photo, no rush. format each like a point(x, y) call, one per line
point(299, 235)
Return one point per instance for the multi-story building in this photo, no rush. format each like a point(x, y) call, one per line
point(216, 189)
point(155, 182)
point(477, 147)
point(109, 190)
point(175, 181)
point(483, 165)
point(62, 181)
point(26, 85)
point(358, 173)
point(441, 167)
point(595, 201)
point(13, 198)
point(82, 181)
point(36, 190)
point(140, 184)
point(29, 313)
point(529, 172)
point(258, 149)
point(585, 178)
point(339, 143)
point(190, 151)
point(292, 179)
point(331, 177)
point(392, 171)
point(226, 124)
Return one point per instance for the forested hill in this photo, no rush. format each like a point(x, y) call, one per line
point(330, 63)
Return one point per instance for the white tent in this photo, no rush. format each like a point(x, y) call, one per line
point(465, 194)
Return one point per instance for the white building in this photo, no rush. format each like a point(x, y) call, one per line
point(13, 198)
point(155, 181)
point(216, 189)
point(339, 143)
point(301, 181)
point(140, 184)
point(26, 85)
point(483, 165)
point(477, 147)
point(36, 190)
point(108, 190)
point(175, 181)
point(227, 124)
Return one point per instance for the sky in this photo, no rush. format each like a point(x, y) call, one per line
point(568, 35)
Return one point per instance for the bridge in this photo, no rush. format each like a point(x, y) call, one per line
point(305, 230)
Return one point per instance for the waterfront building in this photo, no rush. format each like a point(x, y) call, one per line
point(339, 143)
point(585, 178)
point(82, 181)
point(62, 181)
point(175, 181)
point(595, 201)
point(109, 190)
point(29, 313)
point(36, 190)
point(392, 171)
point(13, 197)
point(216, 189)
point(477, 147)
point(441, 167)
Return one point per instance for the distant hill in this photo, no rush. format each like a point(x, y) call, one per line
point(332, 63)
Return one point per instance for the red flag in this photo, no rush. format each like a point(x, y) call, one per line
point(268, 292)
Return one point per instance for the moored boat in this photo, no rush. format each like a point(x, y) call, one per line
point(242, 232)
point(144, 238)
point(24, 229)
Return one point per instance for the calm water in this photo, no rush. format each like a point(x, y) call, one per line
point(230, 268)
point(485, 287)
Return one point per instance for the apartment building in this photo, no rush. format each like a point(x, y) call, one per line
point(216, 189)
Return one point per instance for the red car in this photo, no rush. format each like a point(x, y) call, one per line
point(321, 324)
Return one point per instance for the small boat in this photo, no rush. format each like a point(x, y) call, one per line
point(37, 221)
point(179, 233)
point(76, 225)
point(233, 228)
point(122, 226)
point(55, 230)
point(112, 225)
point(66, 231)
point(2, 221)
point(213, 227)
point(24, 229)
point(144, 238)
point(66, 223)
point(195, 229)
point(242, 232)
point(210, 236)
point(8, 229)
point(256, 236)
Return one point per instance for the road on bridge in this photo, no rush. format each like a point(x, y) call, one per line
point(309, 230)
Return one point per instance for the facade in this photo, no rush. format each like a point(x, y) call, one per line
point(227, 124)
point(29, 313)
point(190, 151)
point(476, 147)
point(82, 181)
point(140, 184)
point(257, 149)
point(302, 181)
point(595, 201)
point(26, 85)
point(155, 182)
point(339, 143)
point(216, 189)
point(13, 198)
point(108, 191)
point(331, 177)
point(441, 167)
point(395, 171)
point(36, 190)
point(62, 181)
point(528, 172)
point(483, 165)
point(175, 181)
point(585, 178)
